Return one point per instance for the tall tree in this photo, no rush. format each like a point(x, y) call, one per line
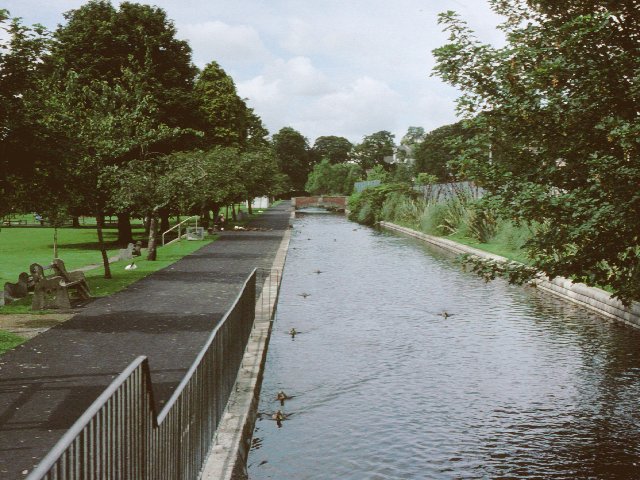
point(100, 43)
point(21, 55)
point(102, 124)
point(292, 153)
point(374, 148)
point(557, 109)
point(437, 153)
point(225, 115)
point(326, 178)
point(256, 132)
point(335, 149)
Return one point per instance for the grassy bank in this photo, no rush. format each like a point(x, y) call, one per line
point(459, 219)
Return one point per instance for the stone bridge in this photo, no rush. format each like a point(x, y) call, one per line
point(338, 204)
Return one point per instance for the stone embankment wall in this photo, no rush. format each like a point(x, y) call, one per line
point(592, 298)
point(228, 457)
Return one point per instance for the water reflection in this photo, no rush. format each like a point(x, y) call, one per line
point(508, 384)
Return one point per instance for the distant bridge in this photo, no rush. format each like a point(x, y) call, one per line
point(339, 204)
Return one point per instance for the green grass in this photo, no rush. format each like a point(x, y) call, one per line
point(495, 247)
point(121, 278)
point(9, 340)
point(20, 247)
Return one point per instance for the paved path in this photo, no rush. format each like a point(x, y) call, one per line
point(47, 382)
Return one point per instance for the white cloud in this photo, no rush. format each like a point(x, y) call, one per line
point(261, 91)
point(229, 45)
point(299, 77)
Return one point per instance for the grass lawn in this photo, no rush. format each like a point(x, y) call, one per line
point(496, 248)
point(22, 246)
point(121, 278)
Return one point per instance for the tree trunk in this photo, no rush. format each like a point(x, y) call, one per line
point(152, 248)
point(205, 219)
point(55, 242)
point(249, 209)
point(75, 222)
point(233, 212)
point(147, 223)
point(102, 246)
point(125, 236)
point(164, 220)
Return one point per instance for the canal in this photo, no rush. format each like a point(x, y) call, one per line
point(508, 384)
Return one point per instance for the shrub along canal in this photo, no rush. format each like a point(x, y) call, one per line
point(509, 383)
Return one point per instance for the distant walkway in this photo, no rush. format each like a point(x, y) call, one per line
point(47, 382)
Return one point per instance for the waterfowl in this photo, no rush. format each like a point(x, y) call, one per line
point(131, 266)
point(279, 417)
point(304, 294)
point(318, 271)
point(445, 314)
point(281, 397)
point(293, 332)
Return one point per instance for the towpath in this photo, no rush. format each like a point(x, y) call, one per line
point(47, 382)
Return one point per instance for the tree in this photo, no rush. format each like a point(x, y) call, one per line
point(337, 179)
point(439, 149)
point(225, 115)
point(335, 149)
point(292, 154)
point(256, 132)
point(557, 148)
point(99, 43)
point(374, 148)
point(102, 125)
point(21, 57)
point(260, 174)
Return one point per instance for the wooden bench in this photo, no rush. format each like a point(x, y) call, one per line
point(9, 222)
point(52, 291)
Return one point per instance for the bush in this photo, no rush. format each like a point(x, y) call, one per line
point(482, 224)
point(366, 207)
point(432, 219)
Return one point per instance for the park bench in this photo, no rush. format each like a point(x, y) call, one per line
point(9, 222)
point(132, 250)
point(52, 290)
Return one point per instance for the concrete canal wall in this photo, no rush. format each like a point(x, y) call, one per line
point(592, 298)
point(228, 458)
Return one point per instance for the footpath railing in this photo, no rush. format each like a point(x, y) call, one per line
point(179, 227)
point(121, 436)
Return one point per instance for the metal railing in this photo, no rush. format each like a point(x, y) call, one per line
point(179, 227)
point(120, 436)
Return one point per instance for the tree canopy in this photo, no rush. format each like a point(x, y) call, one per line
point(292, 154)
point(436, 154)
point(557, 115)
point(374, 148)
point(333, 148)
point(225, 115)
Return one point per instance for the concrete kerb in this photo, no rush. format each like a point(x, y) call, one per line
point(594, 299)
point(227, 459)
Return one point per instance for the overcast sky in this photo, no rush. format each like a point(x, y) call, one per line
point(324, 67)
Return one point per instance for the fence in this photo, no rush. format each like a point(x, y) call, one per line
point(121, 436)
point(441, 192)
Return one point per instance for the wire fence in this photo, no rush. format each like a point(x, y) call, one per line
point(121, 436)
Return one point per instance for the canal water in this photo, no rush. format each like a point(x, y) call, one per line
point(509, 385)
